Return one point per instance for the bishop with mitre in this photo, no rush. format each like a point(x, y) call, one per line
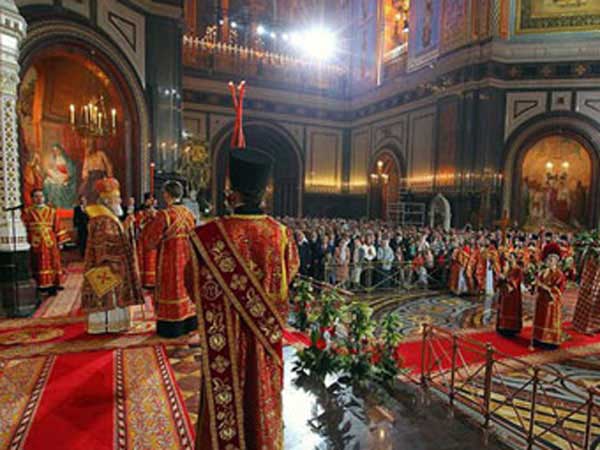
point(111, 282)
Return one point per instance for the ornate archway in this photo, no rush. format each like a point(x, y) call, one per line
point(385, 180)
point(284, 195)
point(74, 42)
point(440, 212)
point(551, 174)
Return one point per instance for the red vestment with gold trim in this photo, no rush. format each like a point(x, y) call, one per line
point(241, 269)
point(147, 258)
point(510, 302)
point(111, 244)
point(548, 309)
point(169, 233)
point(45, 233)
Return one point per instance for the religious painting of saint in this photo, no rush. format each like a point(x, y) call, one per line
point(60, 152)
point(60, 177)
point(539, 16)
point(96, 166)
point(556, 176)
point(547, 8)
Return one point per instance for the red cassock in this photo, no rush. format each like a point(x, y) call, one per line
point(548, 309)
point(471, 271)
point(510, 303)
point(147, 259)
point(481, 270)
point(45, 234)
point(169, 233)
point(240, 272)
point(460, 259)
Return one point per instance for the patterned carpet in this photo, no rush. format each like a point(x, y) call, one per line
point(415, 308)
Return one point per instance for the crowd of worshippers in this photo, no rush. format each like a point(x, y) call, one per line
point(377, 254)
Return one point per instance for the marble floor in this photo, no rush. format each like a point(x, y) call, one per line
point(333, 416)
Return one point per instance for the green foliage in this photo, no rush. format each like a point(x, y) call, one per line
point(303, 301)
point(343, 339)
point(194, 164)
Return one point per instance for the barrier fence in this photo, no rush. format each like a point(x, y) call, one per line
point(369, 277)
point(504, 393)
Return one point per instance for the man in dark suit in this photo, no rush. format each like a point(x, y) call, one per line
point(80, 221)
point(305, 253)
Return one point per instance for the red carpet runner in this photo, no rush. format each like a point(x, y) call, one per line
point(518, 347)
point(118, 399)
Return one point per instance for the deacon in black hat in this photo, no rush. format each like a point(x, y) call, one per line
point(249, 175)
point(241, 270)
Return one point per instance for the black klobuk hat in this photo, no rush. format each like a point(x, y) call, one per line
point(249, 170)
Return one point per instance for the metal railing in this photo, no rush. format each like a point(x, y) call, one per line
point(376, 276)
point(478, 379)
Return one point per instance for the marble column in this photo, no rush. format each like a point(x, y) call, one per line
point(17, 290)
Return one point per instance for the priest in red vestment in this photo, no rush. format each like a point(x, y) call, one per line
point(147, 258)
point(168, 232)
point(111, 280)
point(46, 237)
point(239, 275)
point(550, 284)
point(510, 304)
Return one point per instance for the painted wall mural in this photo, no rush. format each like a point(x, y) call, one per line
point(555, 181)
point(535, 16)
point(55, 155)
point(455, 24)
point(424, 32)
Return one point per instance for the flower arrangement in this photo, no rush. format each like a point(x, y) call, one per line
point(345, 339)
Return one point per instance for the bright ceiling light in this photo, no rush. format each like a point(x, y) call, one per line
point(260, 30)
point(285, 37)
point(319, 43)
point(273, 35)
point(234, 25)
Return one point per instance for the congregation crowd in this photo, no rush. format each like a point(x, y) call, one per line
point(378, 254)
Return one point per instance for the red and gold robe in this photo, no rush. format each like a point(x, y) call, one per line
point(240, 272)
point(147, 258)
point(45, 234)
point(510, 302)
point(169, 233)
point(110, 245)
point(460, 259)
point(471, 271)
point(548, 308)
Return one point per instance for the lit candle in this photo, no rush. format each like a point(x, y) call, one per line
point(100, 121)
point(72, 113)
point(152, 179)
point(86, 114)
point(113, 114)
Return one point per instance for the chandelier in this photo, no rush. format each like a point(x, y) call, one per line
point(379, 176)
point(93, 119)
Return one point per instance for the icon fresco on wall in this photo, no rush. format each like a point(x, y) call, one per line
point(540, 16)
point(555, 180)
point(56, 155)
point(424, 33)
